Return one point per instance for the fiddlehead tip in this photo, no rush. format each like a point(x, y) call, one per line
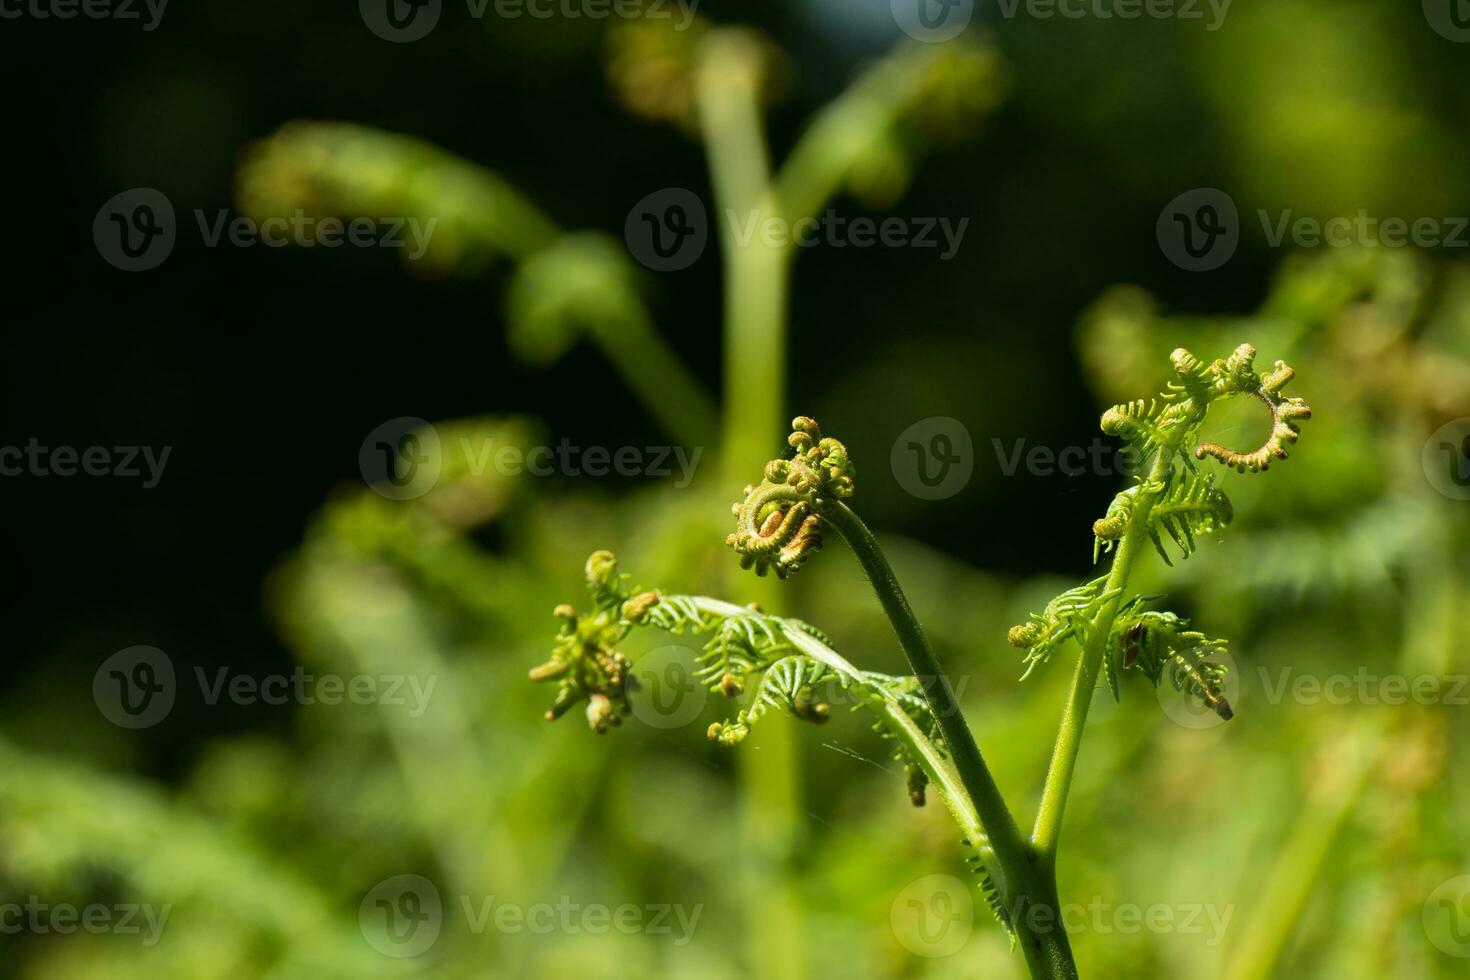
point(1235, 376)
point(1023, 635)
point(583, 659)
point(602, 570)
point(636, 608)
point(778, 523)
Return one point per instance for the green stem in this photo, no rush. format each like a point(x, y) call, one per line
point(757, 275)
point(848, 128)
point(1026, 885)
point(1084, 682)
point(727, 83)
point(1003, 833)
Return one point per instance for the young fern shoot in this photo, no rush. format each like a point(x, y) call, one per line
point(785, 664)
point(1172, 496)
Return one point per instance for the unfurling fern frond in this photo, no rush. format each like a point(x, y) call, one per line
point(1183, 505)
point(1285, 413)
point(1190, 504)
point(583, 660)
point(741, 644)
point(788, 683)
point(782, 663)
point(1143, 424)
point(1110, 528)
point(778, 523)
point(1171, 498)
point(1064, 617)
point(1174, 419)
point(1159, 644)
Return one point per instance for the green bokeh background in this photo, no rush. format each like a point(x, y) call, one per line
point(1320, 834)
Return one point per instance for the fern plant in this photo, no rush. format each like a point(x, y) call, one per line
point(784, 663)
point(777, 663)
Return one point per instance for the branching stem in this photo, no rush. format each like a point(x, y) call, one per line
point(1084, 682)
point(1027, 881)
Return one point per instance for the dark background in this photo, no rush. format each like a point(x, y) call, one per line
point(263, 369)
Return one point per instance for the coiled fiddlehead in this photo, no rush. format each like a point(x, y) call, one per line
point(1239, 379)
point(1173, 498)
point(778, 524)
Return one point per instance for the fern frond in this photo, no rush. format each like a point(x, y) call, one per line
point(1236, 376)
point(782, 662)
point(1064, 617)
point(1110, 528)
point(678, 614)
point(1174, 500)
point(1143, 424)
point(1161, 644)
point(778, 523)
point(1190, 504)
point(741, 644)
point(786, 684)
